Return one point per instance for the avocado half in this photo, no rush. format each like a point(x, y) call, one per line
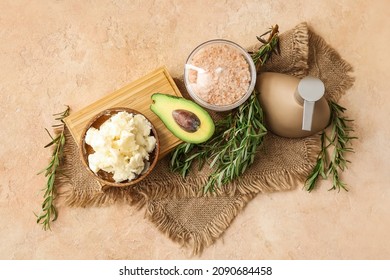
point(184, 118)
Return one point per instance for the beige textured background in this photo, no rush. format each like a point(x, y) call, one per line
point(73, 52)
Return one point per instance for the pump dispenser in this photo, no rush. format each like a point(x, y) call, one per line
point(293, 107)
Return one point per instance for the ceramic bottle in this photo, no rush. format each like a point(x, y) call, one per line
point(293, 107)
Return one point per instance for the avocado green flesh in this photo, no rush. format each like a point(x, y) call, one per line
point(163, 106)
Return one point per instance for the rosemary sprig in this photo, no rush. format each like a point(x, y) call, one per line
point(269, 46)
point(49, 212)
point(319, 169)
point(234, 149)
point(339, 139)
point(237, 136)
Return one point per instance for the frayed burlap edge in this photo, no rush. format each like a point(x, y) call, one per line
point(344, 83)
point(297, 64)
point(301, 50)
point(196, 240)
point(244, 192)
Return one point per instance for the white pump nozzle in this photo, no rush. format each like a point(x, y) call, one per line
point(310, 89)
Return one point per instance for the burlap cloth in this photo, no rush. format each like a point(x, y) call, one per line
point(176, 205)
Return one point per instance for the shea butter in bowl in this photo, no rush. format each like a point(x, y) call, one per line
point(219, 75)
point(120, 147)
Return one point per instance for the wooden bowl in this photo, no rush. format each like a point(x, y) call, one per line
point(106, 178)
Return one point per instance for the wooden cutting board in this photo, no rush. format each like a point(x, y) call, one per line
point(137, 96)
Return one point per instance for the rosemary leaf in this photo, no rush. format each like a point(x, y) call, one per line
point(319, 168)
point(48, 211)
point(340, 140)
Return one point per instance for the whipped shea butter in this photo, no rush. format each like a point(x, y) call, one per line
point(122, 146)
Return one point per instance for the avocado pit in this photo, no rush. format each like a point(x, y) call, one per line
point(187, 120)
point(183, 117)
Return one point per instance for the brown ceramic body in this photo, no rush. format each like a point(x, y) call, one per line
point(283, 112)
point(106, 178)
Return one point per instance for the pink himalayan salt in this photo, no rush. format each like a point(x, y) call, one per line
point(226, 76)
